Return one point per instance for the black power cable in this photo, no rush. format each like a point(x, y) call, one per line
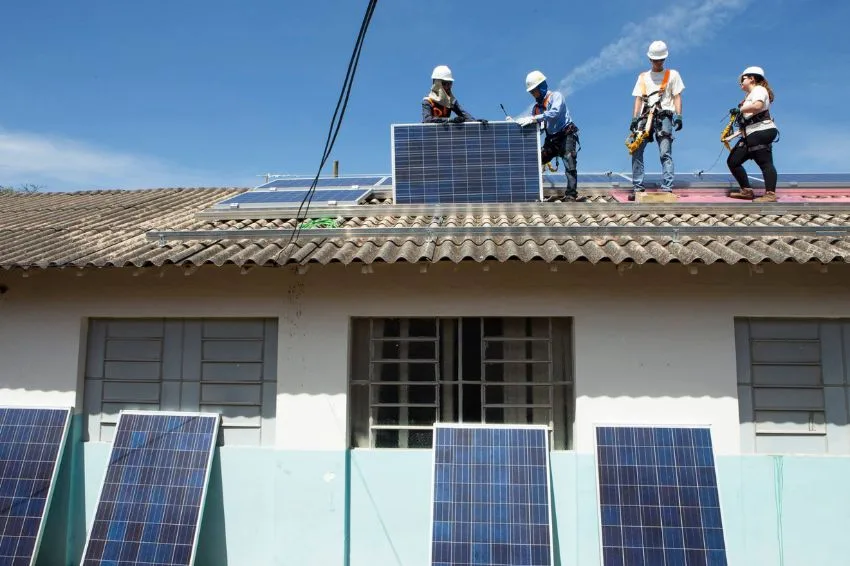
point(336, 120)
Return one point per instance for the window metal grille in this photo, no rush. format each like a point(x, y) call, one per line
point(418, 371)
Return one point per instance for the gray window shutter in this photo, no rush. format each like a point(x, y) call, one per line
point(228, 366)
point(791, 386)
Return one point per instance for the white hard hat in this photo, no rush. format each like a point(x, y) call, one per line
point(443, 73)
point(753, 71)
point(657, 50)
point(533, 80)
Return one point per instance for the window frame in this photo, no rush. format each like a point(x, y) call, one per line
point(449, 382)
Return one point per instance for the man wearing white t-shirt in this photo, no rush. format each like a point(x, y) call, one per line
point(662, 90)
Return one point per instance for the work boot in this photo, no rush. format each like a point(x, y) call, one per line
point(769, 196)
point(574, 198)
point(746, 194)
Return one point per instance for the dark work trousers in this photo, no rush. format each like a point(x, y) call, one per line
point(763, 158)
point(563, 145)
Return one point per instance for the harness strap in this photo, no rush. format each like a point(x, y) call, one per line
point(540, 107)
point(437, 110)
point(760, 117)
point(661, 89)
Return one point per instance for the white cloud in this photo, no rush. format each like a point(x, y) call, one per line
point(61, 163)
point(682, 25)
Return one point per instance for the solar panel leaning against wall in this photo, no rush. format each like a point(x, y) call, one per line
point(658, 497)
point(31, 445)
point(491, 496)
point(151, 502)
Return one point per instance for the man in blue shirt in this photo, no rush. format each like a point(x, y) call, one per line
point(561, 133)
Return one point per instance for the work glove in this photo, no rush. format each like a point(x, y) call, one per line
point(734, 112)
point(483, 121)
point(526, 120)
point(509, 119)
point(458, 120)
point(677, 121)
point(634, 124)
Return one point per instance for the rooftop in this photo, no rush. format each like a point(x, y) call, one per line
point(157, 227)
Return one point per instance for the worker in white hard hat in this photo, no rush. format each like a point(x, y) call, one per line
point(758, 132)
point(661, 90)
point(561, 139)
point(440, 102)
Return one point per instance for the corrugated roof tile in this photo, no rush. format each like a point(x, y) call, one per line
point(108, 228)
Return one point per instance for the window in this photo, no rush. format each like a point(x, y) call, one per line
point(226, 366)
point(408, 373)
point(792, 385)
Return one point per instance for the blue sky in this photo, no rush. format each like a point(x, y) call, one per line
point(105, 94)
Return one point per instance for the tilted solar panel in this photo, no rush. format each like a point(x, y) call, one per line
point(31, 445)
point(466, 163)
point(598, 180)
point(837, 180)
point(294, 197)
point(658, 497)
point(323, 182)
point(491, 496)
point(150, 504)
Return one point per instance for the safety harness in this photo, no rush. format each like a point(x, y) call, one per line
point(437, 110)
point(649, 112)
point(569, 129)
point(726, 135)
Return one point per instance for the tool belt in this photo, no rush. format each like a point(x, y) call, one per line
point(569, 130)
point(559, 139)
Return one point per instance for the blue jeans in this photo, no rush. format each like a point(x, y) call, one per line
point(663, 133)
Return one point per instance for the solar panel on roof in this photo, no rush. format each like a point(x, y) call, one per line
point(466, 163)
point(491, 496)
point(31, 444)
point(559, 180)
point(307, 182)
point(658, 497)
point(815, 179)
point(286, 198)
point(150, 504)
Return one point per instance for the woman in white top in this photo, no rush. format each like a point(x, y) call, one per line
point(757, 135)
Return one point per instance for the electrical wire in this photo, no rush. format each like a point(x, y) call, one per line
point(336, 120)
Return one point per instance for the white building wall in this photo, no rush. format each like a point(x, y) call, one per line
point(652, 345)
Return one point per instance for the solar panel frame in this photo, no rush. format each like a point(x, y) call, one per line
point(813, 180)
point(53, 476)
point(493, 124)
point(586, 180)
point(203, 496)
point(542, 428)
point(324, 182)
point(622, 561)
point(278, 199)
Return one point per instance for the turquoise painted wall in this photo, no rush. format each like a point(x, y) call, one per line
point(289, 508)
point(777, 511)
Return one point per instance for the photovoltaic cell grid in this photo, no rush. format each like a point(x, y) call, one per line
point(491, 497)
point(658, 497)
point(466, 163)
point(150, 504)
point(31, 443)
point(296, 197)
point(307, 182)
